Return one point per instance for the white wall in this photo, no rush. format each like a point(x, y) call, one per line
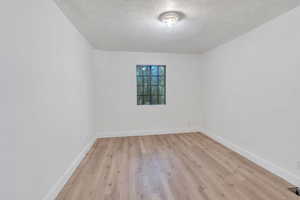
point(47, 91)
point(117, 110)
point(251, 92)
point(249, 95)
point(8, 102)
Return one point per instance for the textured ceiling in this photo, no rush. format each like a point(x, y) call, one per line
point(132, 25)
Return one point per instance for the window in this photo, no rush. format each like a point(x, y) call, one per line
point(151, 84)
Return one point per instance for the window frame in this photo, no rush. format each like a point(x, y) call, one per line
point(138, 95)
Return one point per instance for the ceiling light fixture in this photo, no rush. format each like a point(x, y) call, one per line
point(170, 18)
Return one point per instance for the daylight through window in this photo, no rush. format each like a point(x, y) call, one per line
point(151, 84)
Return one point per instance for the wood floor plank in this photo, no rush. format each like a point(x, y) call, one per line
point(186, 166)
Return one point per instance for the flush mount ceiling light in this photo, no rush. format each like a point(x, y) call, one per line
point(170, 18)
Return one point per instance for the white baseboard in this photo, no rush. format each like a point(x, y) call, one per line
point(283, 173)
point(53, 192)
point(107, 134)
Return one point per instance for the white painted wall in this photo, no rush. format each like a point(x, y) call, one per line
point(8, 102)
point(117, 111)
point(249, 95)
point(251, 92)
point(47, 95)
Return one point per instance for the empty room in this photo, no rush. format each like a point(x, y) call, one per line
point(150, 100)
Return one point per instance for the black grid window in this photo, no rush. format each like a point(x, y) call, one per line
point(151, 84)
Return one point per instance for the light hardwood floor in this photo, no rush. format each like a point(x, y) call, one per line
point(187, 166)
